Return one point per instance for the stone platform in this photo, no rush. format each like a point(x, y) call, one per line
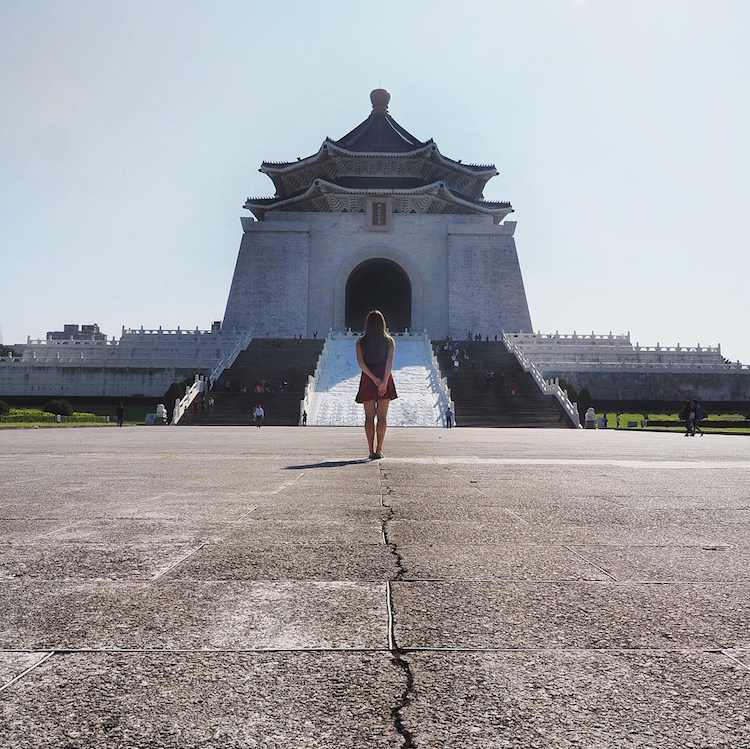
point(233, 588)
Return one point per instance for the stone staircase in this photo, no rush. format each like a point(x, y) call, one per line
point(479, 405)
point(272, 359)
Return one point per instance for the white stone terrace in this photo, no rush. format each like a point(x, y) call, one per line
point(573, 351)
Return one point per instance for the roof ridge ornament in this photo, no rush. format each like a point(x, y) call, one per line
point(379, 98)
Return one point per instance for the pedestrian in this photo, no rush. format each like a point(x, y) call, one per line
point(700, 414)
point(304, 418)
point(375, 351)
point(448, 418)
point(495, 337)
point(315, 334)
point(211, 404)
point(259, 414)
point(120, 413)
point(688, 416)
point(603, 422)
point(617, 421)
point(513, 387)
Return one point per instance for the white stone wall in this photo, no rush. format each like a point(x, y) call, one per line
point(268, 295)
point(440, 253)
point(90, 379)
point(486, 292)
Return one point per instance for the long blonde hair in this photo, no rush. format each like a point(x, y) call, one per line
point(376, 342)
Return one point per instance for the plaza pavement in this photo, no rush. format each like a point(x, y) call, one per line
point(233, 588)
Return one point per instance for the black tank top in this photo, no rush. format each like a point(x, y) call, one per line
point(375, 351)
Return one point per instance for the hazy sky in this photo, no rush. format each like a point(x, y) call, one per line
point(131, 134)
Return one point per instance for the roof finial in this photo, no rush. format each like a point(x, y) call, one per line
point(380, 98)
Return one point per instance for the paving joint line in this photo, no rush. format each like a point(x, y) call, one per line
point(23, 673)
point(403, 649)
point(593, 564)
point(736, 660)
point(179, 561)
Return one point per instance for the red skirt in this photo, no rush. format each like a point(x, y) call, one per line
point(368, 390)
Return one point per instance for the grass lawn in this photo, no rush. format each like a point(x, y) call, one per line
point(678, 424)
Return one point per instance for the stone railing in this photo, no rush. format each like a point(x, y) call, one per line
point(569, 338)
point(681, 367)
point(11, 359)
point(548, 387)
point(446, 401)
point(230, 358)
point(167, 332)
point(181, 405)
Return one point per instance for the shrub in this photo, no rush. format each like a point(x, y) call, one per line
point(4, 408)
point(584, 401)
point(58, 406)
point(569, 389)
point(176, 390)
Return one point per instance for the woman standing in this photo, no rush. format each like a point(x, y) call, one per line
point(375, 351)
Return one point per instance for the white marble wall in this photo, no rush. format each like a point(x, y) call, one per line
point(463, 270)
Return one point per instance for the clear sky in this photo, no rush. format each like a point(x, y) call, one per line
point(131, 134)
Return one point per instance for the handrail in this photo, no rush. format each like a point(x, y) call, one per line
point(226, 361)
point(548, 387)
point(181, 405)
point(442, 386)
point(314, 378)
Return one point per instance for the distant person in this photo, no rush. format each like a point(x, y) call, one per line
point(448, 418)
point(375, 350)
point(120, 414)
point(688, 416)
point(513, 387)
point(315, 334)
point(603, 421)
point(304, 418)
point(495, 337)
point(211, 404)
point(700, 414)
point(259, 414)
point(617, 421)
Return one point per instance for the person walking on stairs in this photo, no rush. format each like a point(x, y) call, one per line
point(375, 350)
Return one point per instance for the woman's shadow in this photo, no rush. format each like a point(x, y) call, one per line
point(328, 464)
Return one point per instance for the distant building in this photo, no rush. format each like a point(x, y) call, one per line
point(76, 333)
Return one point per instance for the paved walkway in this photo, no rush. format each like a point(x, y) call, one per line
point(234, 588)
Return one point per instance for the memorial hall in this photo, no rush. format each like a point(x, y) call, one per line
point(377, 219)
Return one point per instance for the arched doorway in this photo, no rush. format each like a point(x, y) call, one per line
point(378, 284)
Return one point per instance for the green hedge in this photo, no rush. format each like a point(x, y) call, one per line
point(47, 418)
point(59, 406)
point(4, 408)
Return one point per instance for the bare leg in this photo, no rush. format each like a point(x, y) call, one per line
point(370, 424)
point(382, 412)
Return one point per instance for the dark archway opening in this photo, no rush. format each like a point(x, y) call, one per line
point(378, 284)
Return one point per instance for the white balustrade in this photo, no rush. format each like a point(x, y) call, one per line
point(548, 387)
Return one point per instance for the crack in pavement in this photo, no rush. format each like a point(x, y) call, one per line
point(397, 654)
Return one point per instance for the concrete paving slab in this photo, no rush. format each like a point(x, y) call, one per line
point(254, 532)
point(137, 531)
point(350, 509)
point(191, 615)
point(215, 701)
point(66, 560)
point(592, 700)
point(686, 564)
point(27, 529)
point(301, 561)
point(499, 562)
point(509, 530)
point(571, 615)
point(14, 664)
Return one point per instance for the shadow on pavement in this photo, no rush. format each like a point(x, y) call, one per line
point(328, 464)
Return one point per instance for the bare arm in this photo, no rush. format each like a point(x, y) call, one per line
point(364, 367)
point(382, 387)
